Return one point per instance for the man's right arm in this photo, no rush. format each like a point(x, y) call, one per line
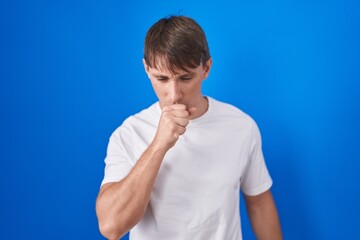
point(121, 205)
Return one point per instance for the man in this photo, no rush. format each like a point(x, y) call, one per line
point(174, 170)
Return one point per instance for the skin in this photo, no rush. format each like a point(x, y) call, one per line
point(121, 205)
point(263, 216)
point(183, 88)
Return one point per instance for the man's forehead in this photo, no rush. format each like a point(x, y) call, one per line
point(167, 72)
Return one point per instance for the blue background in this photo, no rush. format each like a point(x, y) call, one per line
point(71, 72)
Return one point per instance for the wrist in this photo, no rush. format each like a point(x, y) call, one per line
point(158, 148)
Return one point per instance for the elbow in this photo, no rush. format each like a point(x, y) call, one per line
point(110, 230)
point(115, 223)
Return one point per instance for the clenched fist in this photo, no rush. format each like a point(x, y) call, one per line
point(172, 124)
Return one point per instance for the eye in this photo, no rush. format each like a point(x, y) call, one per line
point(187, 78)
point(162, 79)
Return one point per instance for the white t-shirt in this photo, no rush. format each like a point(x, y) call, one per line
point(196, 192)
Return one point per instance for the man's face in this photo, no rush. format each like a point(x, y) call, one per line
point(183, 87)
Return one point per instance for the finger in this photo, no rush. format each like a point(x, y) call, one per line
point(183, 122)
point(192, 111)
point(181, 130)
point(166, 108)
point(180, 113)
point(178, 107)
point(174, 107)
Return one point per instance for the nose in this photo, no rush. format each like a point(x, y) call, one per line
point(174, 92)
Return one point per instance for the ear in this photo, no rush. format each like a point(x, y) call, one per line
point(146, 67)
point(207, 68)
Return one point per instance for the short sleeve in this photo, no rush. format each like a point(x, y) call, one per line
point(256, 178)
point(117, 160)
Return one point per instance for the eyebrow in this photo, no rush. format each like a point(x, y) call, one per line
point(160, 76)
point(182, 75)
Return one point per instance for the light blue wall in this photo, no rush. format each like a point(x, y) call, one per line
point(71, 72)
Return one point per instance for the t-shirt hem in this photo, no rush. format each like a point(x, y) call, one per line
point(109, 180)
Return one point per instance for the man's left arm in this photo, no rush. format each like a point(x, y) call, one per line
point(263, 216)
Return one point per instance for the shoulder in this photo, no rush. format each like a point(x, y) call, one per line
point(232, 117)
point(226, 110)
point(148, 117)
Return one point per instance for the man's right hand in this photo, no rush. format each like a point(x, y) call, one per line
point(172, 124)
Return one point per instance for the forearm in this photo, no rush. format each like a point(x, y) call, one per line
point(264, 217)
point(121, 205)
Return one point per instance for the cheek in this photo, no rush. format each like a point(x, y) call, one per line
point(194, 87)
point(159, 89)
